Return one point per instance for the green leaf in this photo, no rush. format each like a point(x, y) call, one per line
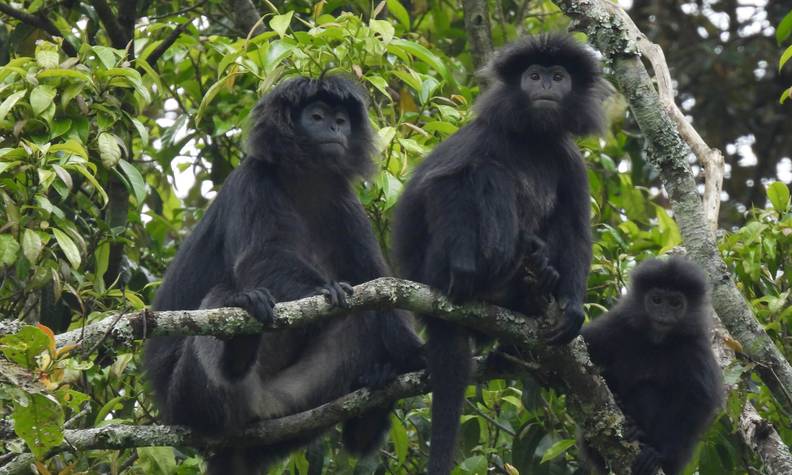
point(785, 57)
point(784, 28)
point(428, 87)
point(106, 55)
point(141, 129)
point(157, 460)
point(88, 176)
point(65, 73)
point(68, 247)
point(63, 175)
point(70, 398)
point(72, 146)
point(70, 92)
point(39, 423)
point(384, 28)
point(475, 465)
point(109, 406)
point(8, 165)
point(785, 95)
point(778, 194)
point(41, 98)
point(277, 52)
point(133, 78)
point(396, 9)
point(109, 151)
point(150, 72)
point(102, 260)
point(59, 127)
point(422, 54)
point(398, 435)
point(279, 23)
point(557, 449)
point(31, 245)
point(391, 188)
point(136, 181)
point(380, 83)
point(669, 230)
point(9, 102)
point(9, 249)
point(23, 346)
point(47, 55)
point(210, 95)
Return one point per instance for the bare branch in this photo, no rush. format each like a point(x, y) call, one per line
point(166, 43)
point(711, 159)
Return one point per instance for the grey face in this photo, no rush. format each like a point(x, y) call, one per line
point(327, 127)
point(665, 310)
point(546, 86)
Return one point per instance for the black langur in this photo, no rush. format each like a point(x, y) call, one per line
point(654, 351)
point(504, 190)
point(286, 224)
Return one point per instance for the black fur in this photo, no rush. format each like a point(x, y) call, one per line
point(286, 224)
point(477, 204)
point(668, 390)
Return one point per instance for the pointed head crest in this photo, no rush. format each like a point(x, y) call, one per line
point(275, 135)
point(504, 102)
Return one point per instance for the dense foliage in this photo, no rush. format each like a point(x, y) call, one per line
point(109, 156)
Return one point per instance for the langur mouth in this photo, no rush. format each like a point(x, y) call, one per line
point(545, 101)
point(332, 142)
point(663, 324)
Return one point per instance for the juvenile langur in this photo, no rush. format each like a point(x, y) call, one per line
point(286, 224)
point(508, 187)
point(654, 351)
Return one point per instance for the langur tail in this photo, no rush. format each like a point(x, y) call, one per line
point(450, 362)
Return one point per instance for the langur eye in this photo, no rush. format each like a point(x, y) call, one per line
point(675, 303)
point(340, 121)
point(316, 116)
point(534, 76)
point(557, 77)
point(657, 300)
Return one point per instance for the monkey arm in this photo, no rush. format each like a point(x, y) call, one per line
point(358, 258)
point(568, 237)
point(474, 231)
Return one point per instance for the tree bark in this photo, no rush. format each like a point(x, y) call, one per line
point(607, 28)
point(477, 25)
point(568, 368)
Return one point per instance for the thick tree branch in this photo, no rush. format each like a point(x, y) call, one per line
point(567, 367)
point(385, 292)
point(246, 17)
point(477, 25)
point(758, 435)
point(606, 25)
point(266, 432)
point(762, 438)
point(710, 159)
point(118, 38)
point(41, 22)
